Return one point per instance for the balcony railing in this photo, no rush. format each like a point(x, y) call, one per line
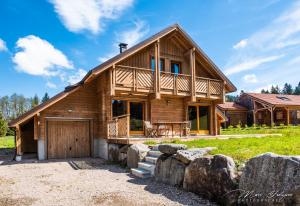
point(142, 80)
point(118, 127)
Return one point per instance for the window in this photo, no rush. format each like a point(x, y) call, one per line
point(162, 64)
point(119, 107)
point(283, 98)
point(175, 67)
point(279, 115)
point(298, 114)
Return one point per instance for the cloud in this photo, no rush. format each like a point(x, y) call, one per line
point(51, 85)
point(89, 14)
point(39, 57)
point(75, 78)
point(250, 64)
point(241, 44)
point(3, 45)
point(250, 78)
point(130, 36)
point(133, 35)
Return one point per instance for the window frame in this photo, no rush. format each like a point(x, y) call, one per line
point(176, 62)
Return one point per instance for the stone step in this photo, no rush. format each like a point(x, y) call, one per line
point(141, 173)
point(154, 153)
point(147, 166)
point(150, 159)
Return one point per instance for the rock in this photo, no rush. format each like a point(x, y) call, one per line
point(213, 177)
point(136, 153)
point(272, 174)
point(171, 148)
point(186, 156)
point(169, 170)
point(113, 152)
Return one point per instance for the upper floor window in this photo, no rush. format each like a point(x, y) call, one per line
point(119, 107)
point(176, 67)
point(162, 64)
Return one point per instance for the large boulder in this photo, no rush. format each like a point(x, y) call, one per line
point(169, 170)
point(136, 153)
point(186, 156)
point(171, 149)
point(273, 178)
point(213, 177)
point(113, 152)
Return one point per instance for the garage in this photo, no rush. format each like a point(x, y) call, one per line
point(68, 138)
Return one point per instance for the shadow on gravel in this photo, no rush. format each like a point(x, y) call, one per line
point(174, 194)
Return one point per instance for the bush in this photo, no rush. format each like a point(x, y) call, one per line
point(3, 126)
point(10, 132)
point(230, 127)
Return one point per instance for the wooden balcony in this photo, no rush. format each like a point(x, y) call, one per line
point(132, 79)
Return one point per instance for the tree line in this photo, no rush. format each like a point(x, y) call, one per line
point(15, 105)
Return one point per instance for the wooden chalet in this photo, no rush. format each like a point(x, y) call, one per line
point(235, 114)
point(165, 79)
point(271, 109)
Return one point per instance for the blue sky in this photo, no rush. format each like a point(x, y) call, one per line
point(47, 45)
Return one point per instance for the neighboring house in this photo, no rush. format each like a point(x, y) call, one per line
point(236, 114)
point(271, 109)
point(166, 77)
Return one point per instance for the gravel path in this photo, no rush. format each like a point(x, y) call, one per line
point(83, 182)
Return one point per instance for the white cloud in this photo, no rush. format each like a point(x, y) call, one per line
point(131, 37)
point(2, 45)
point(241, 44)
point(51, 85)
point(75, 78)
point(89, 14)
point(250, 78)
point(250, 64)
point(39, 57)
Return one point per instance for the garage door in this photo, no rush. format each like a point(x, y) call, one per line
point(67, 139)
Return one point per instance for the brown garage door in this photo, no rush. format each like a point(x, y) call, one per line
point(68, 139)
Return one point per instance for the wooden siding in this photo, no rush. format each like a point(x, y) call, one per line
point(235, 118)
point(28, 144)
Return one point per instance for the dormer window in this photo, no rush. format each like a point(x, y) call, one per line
point(283, 98)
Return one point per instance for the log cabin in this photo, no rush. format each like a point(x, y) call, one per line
point(165, 78)
point(271, 109)
point(235, 114)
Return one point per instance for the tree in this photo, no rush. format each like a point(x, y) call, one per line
point(35, 101)
point(297, 90)
point(263, 91)
point(231, 98)
point(287, 89)
point(3, 126)
point(275, 90)
point(45, 98)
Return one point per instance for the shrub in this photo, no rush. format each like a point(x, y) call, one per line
point(10, 132)
point(3, 126)
point(230, 127)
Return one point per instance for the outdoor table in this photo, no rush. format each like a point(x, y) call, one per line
point(158, 123)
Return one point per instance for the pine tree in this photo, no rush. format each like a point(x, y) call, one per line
point(35, 101)
point(297, 90)
point(287, 89)
point(45, 98)
point(275, 90)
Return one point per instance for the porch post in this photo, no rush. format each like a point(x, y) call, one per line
point(193, 74)
point(18, 140)
point(272, 116)
point(157, 70)
point(288, 116)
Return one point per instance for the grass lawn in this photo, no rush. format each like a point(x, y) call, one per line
point(7, 142)
point(242, 149)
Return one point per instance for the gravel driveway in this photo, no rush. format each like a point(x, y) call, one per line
point(83, 182)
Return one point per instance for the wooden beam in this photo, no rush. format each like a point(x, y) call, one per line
point(272, 116)
point(193, 74)
point(112, 80)
point(157, 70)
point(19, 140)
point(36, 126)
point(287, 116)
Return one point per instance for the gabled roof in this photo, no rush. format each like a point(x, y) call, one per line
point(277, 99)
point(109, 63)
point(231, 106)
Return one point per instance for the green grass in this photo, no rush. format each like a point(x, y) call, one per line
point(7, 142)
point(243, 149)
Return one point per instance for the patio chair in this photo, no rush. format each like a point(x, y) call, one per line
point(150, 130)
point(187, 128)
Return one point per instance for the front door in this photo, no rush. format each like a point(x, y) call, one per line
point(136, 111)
point(199, 117)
